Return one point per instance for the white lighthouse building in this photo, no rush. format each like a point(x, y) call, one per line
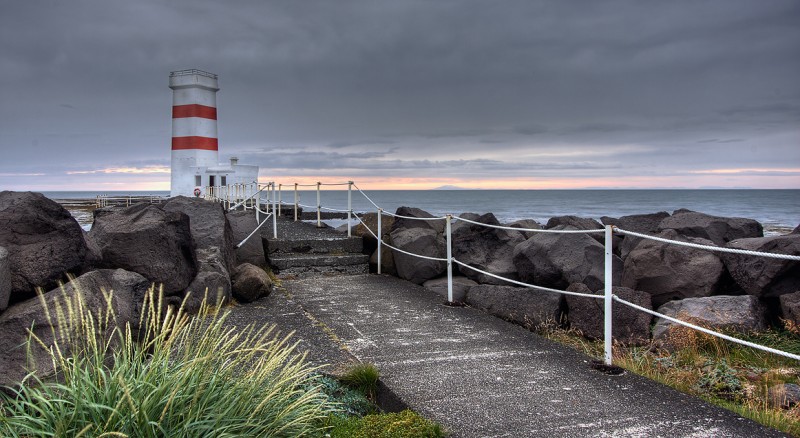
point(195, 148)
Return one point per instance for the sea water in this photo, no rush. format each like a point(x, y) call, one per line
point(775, 209)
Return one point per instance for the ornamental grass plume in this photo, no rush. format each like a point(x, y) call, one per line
point(176, 376)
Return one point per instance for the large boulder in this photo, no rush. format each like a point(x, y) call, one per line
point(461, 285)
point(671, 272)
point(250, 282)
point(129, 290)
point(576, 223)
point(242, 223)
point(719, 230)
point(212, 282)
point(741, 313)
point(488, 249)
point(43, 240)
point(387, 261)
point(528, 307)
point(790, 307)
point(401, 223)
point(558, 260)
point(638, 223)
point(629, 326)
point(5, 279)
point(146, 239)
point(370, 220)
point(765, 276)
point(422, 241)
point(209, 225)
point(526, 224)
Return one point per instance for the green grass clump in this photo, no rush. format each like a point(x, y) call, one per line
point(405, 424)
point(177, 376)
point(362, 377)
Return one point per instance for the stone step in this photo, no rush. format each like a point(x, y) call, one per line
point(293, 264)
point(325, 245)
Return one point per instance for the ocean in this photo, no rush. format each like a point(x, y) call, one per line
point(777, 210)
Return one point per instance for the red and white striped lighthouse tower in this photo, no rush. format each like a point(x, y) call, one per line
point(194, 129)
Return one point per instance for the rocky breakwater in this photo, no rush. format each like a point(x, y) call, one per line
point(718, 290)
point(184, 247)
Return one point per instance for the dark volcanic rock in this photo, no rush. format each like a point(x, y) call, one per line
point(743, 313)
point(790, 307)
point(212, 281)
point(422, 241)
point(670, 272)
point(488, 249)
point(249, 283)
point(558, 260)
point(43, 240)
point(243, 223)
point(529, 224)
point(525, 306)
point(461, 285)
point(719, 230)
point(784, 395)
point(371, 222)
point(150, 241)
point(629, 325)
point(576, 223)
point(402, 223)
point(5, 279)
point(765, 276)
point(210, 228)
point(796, 230)
point(638, 223)
point(129, 292)
point(387, 261)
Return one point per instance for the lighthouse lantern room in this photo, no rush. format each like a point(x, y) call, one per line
point(195, 149)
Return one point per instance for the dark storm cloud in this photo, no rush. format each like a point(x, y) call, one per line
point(446, 85)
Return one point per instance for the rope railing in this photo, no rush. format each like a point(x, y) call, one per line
point(608, 231)
point(528, 285)
point(533, 230)
point(710, 248)
point(707, 331)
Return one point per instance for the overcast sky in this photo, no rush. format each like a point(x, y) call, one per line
point(409, 94)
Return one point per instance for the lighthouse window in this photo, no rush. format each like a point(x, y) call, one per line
point(198, 181)
point(223, 181)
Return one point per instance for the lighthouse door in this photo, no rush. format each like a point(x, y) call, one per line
point(212, 180)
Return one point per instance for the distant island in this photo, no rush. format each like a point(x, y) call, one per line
point(451, 188)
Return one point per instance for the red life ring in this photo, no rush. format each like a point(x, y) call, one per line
point(197, 192)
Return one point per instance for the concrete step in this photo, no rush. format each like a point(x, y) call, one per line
point(326, 264)
point(294, 260)
point(319, 245)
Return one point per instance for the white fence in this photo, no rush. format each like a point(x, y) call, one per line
point(608, 297)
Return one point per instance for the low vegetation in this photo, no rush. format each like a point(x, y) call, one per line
point(729, 375)
point(180, 376)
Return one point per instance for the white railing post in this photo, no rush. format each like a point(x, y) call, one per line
point(349, 207)
point(258, 215)
point(274, 216)
point(608, 299)
point(319, 206)
point(448, 230)
point(280, 186)
point(295, 202)
point(380, 239)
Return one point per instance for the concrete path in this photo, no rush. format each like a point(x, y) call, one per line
point(480, 376)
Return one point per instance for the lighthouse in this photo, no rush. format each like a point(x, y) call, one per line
point(195, 147)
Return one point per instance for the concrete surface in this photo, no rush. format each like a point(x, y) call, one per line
point(480, 376)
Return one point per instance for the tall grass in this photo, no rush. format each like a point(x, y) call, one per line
point(724, 373)
point(171, 375)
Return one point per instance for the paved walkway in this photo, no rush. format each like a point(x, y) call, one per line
point(482, 377)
